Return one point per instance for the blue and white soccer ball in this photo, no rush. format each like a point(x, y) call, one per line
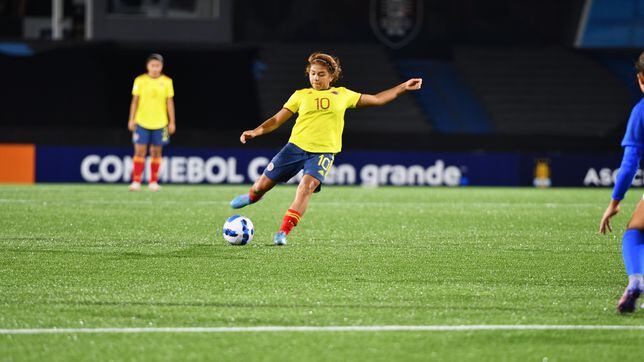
point(238, 230)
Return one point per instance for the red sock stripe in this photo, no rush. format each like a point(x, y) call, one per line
point(294, 214)
point(291, 219)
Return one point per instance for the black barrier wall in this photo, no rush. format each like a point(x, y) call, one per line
point(89, 85)
point(79, 94)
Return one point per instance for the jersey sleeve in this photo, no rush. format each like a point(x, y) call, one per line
point(136, 88)
point(293, 103)
point(170, 89)
point(634, 131)
point(352, 98)
point(627, 171)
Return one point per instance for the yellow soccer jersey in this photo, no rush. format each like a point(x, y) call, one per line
point(320, 121)
point(152, 112)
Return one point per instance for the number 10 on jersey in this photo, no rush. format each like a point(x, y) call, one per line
point(322, 103)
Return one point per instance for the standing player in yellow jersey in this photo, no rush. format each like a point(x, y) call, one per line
point(151, 120)
point(316, 137)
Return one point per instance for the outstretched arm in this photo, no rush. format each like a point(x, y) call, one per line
point(627, 171)
point(384, 97)
point(268, 126)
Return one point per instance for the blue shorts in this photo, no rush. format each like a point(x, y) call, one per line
point(291, 159)
point(156, 137)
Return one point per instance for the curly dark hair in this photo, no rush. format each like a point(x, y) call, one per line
point(331, 62)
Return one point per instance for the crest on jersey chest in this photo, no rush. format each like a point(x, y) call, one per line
point(396, 22)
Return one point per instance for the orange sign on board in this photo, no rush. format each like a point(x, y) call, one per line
point(17, 163)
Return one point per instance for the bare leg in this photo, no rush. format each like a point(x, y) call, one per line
point(305, 189)
point(637, 220)
point(140, 150)
point(155, 151)
point(298, 207)
point(263, 185)
point(259, 188)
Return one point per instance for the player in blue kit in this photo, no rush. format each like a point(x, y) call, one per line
point(633, 239)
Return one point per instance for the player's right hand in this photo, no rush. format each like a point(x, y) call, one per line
point(611, 211)
point(131, 125)
point(247, 135)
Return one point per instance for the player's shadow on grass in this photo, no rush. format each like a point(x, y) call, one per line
point(273, 245)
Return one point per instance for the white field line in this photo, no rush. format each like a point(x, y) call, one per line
point(332, 203)
point(277, 329)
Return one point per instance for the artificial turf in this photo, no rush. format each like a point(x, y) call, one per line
point(89, 256)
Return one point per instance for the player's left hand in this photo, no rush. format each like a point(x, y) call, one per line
point(172, 127)
point(611, 211)
point(413, 84)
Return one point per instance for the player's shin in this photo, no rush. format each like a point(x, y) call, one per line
point(633, 254)
point(155, 165)
point(291, 219)
point(139, 165)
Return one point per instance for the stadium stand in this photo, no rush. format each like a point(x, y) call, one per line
point(620, 62)
point(544, 90)
point(446, 98)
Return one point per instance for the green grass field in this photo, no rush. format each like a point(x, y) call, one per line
point(75, 256)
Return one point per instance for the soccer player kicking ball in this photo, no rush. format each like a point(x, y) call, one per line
point(633, 239)
point(316, 137)
point(151, 120)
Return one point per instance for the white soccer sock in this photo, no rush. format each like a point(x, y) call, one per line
point(636, 281)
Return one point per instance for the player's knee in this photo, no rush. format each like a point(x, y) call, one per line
point(155, 151)
point(307, 187)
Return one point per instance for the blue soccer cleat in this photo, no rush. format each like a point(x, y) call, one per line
point(628, 302)
point(240, 201)
point(280, 238)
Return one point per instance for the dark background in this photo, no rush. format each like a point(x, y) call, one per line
point(78, 92)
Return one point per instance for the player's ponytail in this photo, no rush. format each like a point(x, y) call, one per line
point(332, 63)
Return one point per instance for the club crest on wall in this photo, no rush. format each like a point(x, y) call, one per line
point(396, 22)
